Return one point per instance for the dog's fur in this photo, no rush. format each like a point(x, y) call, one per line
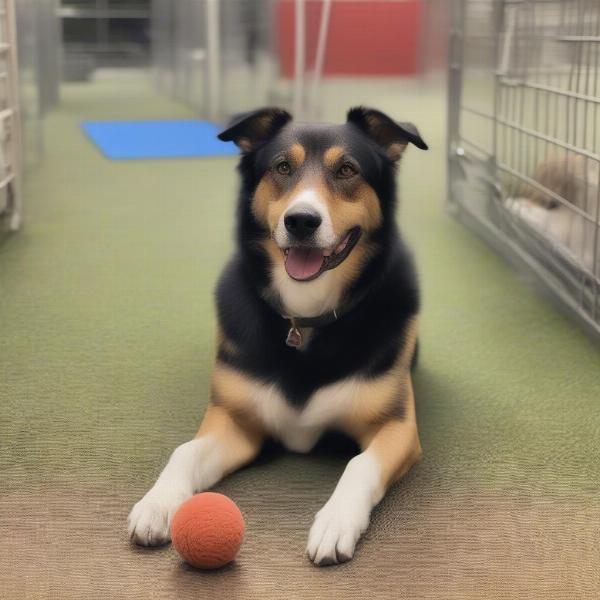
point(354, 321)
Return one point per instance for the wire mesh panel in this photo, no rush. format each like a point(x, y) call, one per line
point(524, 137)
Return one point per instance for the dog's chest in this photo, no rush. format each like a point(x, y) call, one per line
point(299, 428)
point(306, 298)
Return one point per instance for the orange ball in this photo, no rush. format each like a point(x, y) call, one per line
point(208, 530)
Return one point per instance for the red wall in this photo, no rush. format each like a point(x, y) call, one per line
point(365, 38)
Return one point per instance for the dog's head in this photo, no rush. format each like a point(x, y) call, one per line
point(316, 196)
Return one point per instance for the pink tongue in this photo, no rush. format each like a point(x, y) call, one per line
point(303, 263)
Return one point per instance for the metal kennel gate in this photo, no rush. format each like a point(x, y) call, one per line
point(524, 138)
point(10, 126)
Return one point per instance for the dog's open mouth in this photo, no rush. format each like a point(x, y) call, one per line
point(305, 264)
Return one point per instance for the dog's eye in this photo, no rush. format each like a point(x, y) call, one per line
point(346, 171)
point(283, 168)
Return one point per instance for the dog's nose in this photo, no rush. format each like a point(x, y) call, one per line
point(303, 223)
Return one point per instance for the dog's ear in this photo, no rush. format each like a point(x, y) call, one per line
point(393, 137)
point(248, 130)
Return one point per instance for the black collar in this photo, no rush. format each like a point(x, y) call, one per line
point(320, 321)
point(294, 335)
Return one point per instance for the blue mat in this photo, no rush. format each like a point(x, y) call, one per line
point(126, 140)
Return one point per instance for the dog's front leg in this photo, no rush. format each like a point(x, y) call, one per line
point(389, 450)
point(221, 446)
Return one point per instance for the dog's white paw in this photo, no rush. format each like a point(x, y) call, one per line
point(336, 529)
point(149, 522)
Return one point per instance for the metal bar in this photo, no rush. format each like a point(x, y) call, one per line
point(596, 246)
point(455, 74)
point(13, 89)
point(507, 40)
point(579, 38)
point(299, 56)
point(523, 57)
point(213, 58)
point(586, 63)
point(476, 146)
point(102, 26)
point(595, 259)
point(538, 41)
point(476, 111)
point(76, 12)
point(320, 55)
point(550, 139)
point(571, 108)
point(560, 92)
point(4, 182)
point(498, 24)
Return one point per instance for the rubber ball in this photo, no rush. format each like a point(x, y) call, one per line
point(207, 530)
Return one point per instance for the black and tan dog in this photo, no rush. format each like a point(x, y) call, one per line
point(317, 321)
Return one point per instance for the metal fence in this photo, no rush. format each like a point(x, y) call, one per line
point(524, 138)
point(10, 123)
point(217, 56)
point(221, 57)
point(38, 43)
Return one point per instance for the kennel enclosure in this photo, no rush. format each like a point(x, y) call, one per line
point(524, 137)
point(10, 126)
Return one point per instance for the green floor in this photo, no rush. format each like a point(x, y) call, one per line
point(106, 342)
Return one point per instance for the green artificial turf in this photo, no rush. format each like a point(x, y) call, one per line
point(106, 343)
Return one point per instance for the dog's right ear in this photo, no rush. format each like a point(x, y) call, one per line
point(248, 130)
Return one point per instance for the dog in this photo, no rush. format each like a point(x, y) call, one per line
point(563, 207)
point(317, 321)
point(575, 179)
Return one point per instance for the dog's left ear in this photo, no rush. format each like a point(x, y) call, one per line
point(393, 137)
point(248, 130)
